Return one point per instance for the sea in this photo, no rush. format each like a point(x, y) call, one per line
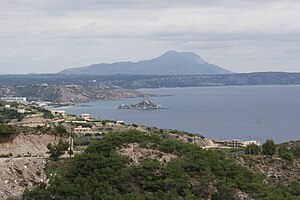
point(227, 112)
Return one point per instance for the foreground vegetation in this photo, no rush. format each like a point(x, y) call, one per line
point(102, 173)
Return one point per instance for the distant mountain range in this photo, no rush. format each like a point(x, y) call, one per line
point(170, 63)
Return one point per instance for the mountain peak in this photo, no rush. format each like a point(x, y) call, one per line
point(170, 53)
point(191, 56)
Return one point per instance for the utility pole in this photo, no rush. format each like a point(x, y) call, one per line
point(71, 144)
point(249, 146)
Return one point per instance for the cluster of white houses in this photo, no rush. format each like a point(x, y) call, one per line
point(79, 130)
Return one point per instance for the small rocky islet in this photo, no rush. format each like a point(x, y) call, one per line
point(146, 104)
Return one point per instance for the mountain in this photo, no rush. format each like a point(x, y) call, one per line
point(170, 63)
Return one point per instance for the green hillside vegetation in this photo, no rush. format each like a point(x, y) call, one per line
point(102, 173)
point(9, 114)
point(287, 151)
point(290, 150)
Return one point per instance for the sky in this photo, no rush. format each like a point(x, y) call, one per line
point(46, 36)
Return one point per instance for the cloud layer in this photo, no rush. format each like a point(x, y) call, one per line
point(247, 35)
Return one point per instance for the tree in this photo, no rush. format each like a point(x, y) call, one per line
point(269, 148)
point(252, 149)
point(60, 130)
point(57, 150)
point(5, 130)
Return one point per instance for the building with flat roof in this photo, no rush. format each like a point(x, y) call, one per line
point(86, 116)
point(21, 111)
point(14, 99)
point(58, 112)
point(82, 130)
point(235, 143)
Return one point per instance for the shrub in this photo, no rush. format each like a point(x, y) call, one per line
point(296, 151)
point(284, 153)
point(59, 130)
point(48, 115)
point(5, 130)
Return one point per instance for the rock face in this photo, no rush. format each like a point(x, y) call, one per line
point(77, 94)
point(136, 153)
point(170, 63)
point(25, 169)
point(16, 174)
point(27, 145)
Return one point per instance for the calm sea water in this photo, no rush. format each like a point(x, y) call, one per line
point(259, 112)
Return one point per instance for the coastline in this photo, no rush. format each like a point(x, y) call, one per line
point(222, 112)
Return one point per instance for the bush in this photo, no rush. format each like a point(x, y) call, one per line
point(5, 130)
point(84, 141)
point(296, 151)
point(284, 153)
point(287, 156)
point(295, 188)
point(48, 115)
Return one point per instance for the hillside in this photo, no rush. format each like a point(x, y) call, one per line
point(136, 165)
point(68, 93)
point(170, 63)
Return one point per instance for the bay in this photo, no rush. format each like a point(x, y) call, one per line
point(240, 112)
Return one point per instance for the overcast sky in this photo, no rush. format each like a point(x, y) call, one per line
point(41, 36)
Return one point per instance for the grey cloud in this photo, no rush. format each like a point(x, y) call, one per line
point(49, 35)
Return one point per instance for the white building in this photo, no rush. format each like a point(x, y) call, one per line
point(235, 143)
point(21, 111)
point(246, 143)
point(58, 112)
point(86, 116)
point(15, 99)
